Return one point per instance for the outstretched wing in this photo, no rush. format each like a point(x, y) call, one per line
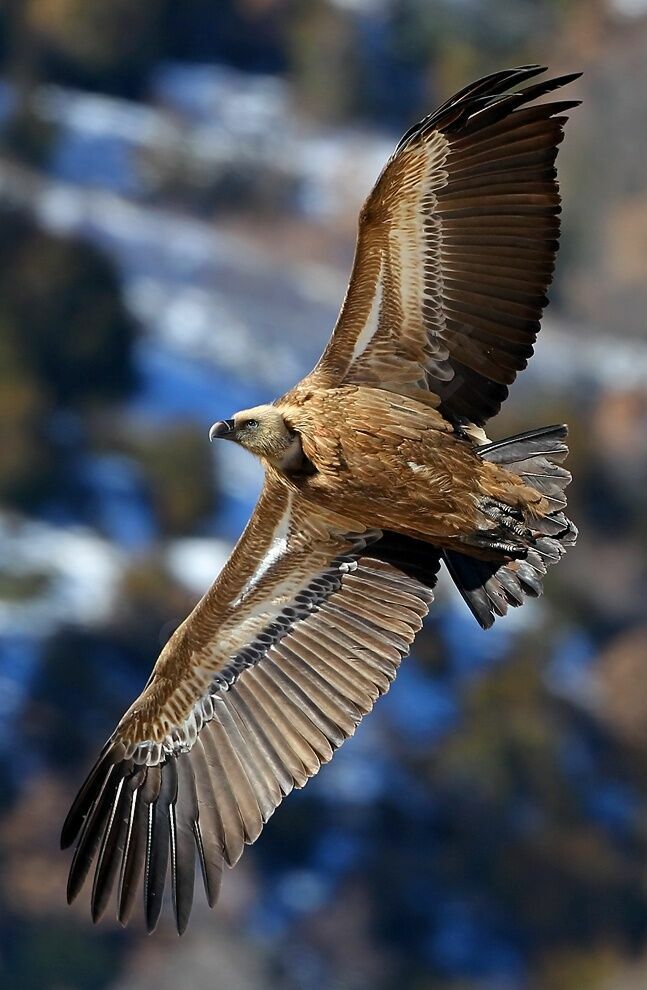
point(455, 251)
point(275, 667)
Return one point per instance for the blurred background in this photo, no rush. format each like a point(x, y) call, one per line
point(179, 187)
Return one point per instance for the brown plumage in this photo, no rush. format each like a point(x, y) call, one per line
point(377, 469)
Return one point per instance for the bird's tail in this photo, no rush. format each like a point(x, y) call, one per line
point(489, 587)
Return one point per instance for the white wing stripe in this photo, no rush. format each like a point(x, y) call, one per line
point(371, 326)
point(278, 546)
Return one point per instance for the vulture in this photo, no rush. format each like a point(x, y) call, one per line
point(377, 472)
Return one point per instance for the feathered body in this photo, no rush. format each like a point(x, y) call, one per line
point(378, 471)
point(395, 463)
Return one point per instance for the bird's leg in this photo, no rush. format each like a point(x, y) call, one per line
point(505, 515)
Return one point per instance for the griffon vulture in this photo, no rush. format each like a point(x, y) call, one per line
point(377, 471)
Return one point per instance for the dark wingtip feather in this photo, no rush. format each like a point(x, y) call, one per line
point(88, 793)
point(115, 838)
point(550, 85)
point(108, 860)
point(484, 88)
point(134, 853)
point(184, 812)
point(90, 838)
point(158, 845)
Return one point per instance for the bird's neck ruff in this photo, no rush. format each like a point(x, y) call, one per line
point(293, 461)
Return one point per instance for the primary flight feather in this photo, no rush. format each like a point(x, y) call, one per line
point(377, 470)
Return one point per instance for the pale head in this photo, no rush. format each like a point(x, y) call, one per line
point(261, 430)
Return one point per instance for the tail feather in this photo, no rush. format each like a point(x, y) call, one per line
point(546, 441)
point(490, 587)
point(536, 457)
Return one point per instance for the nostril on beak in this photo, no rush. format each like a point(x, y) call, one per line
point(223, 429)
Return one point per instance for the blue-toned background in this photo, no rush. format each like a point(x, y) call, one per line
point(179, 187)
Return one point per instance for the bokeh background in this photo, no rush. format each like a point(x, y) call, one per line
point(179, 186)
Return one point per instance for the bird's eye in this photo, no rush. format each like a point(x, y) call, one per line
point(252, 424)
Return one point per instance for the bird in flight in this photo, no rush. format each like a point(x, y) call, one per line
point(377, 472)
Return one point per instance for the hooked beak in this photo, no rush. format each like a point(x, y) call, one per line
point(224, 429)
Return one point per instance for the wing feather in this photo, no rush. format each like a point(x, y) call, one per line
point(134, 855)
point(456, 249)
point(273, 670)
point(208, 828)
point(183, 814)
point(157, 844)
point(114, 843)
